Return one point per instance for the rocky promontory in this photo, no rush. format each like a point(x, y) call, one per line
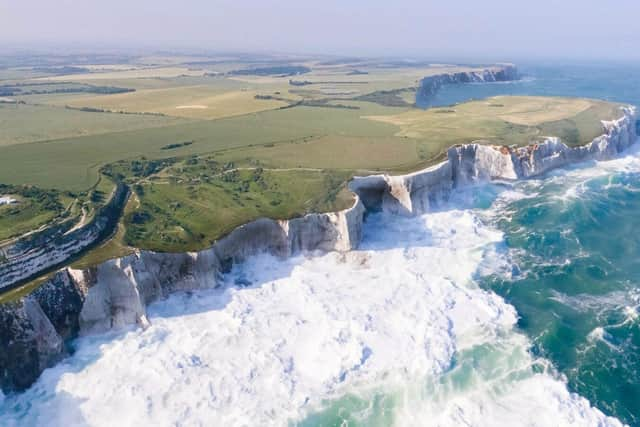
point(429, 86)
point(473, 163)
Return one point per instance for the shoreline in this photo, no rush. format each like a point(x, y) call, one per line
point(115, 293)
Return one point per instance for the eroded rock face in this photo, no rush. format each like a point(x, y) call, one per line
point(261, 235)
point(119, 290)
point(61, 299)
point(429, 86)
point(477, 163)
point(49, 247)
point(341, 231)
point(405, 194)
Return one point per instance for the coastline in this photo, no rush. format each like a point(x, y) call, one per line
point(115, 294)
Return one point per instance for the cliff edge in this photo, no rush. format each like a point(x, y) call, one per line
point(473, 163)
point(429, 86)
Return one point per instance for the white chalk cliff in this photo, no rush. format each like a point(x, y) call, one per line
point(38, 251)
point(429, 86)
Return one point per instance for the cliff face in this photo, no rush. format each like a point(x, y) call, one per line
point(473, 162)
point(405, 194)
point(47, 248)
point(29, 344)
point(429, 86)
point(117, 292)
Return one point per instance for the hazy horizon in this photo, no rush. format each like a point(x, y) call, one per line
point(490, 30)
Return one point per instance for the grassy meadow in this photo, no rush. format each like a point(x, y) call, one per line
point(73, 163)
point(190, 210)
point(25, 123)
point(29, 213)
point(505, 120)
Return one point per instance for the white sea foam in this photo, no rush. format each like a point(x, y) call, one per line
point(599, 334)
point(401, 315)
point(628, 162)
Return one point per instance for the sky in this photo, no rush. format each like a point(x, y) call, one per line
point(491, 29)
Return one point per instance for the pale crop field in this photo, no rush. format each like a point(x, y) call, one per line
point(23, 124)
point(137, 73)
point(505, 120)
point(535, 111)
point(202, 102)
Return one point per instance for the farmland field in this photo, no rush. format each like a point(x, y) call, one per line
point(124, 72)
point(189, 101)
point(24, 123)
point(506, 120)
point(390, 133)
point(77, 160)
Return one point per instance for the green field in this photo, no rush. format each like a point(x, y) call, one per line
point(312, 137)
point(506, 120)
point(38, 208)
point(73, 163)
point(24, 123)
point(33, 209)
point(188, 208)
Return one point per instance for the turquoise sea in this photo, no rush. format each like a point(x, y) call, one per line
point(618, 82)
point(575, 242)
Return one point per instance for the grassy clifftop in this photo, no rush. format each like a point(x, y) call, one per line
point(507, 120)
